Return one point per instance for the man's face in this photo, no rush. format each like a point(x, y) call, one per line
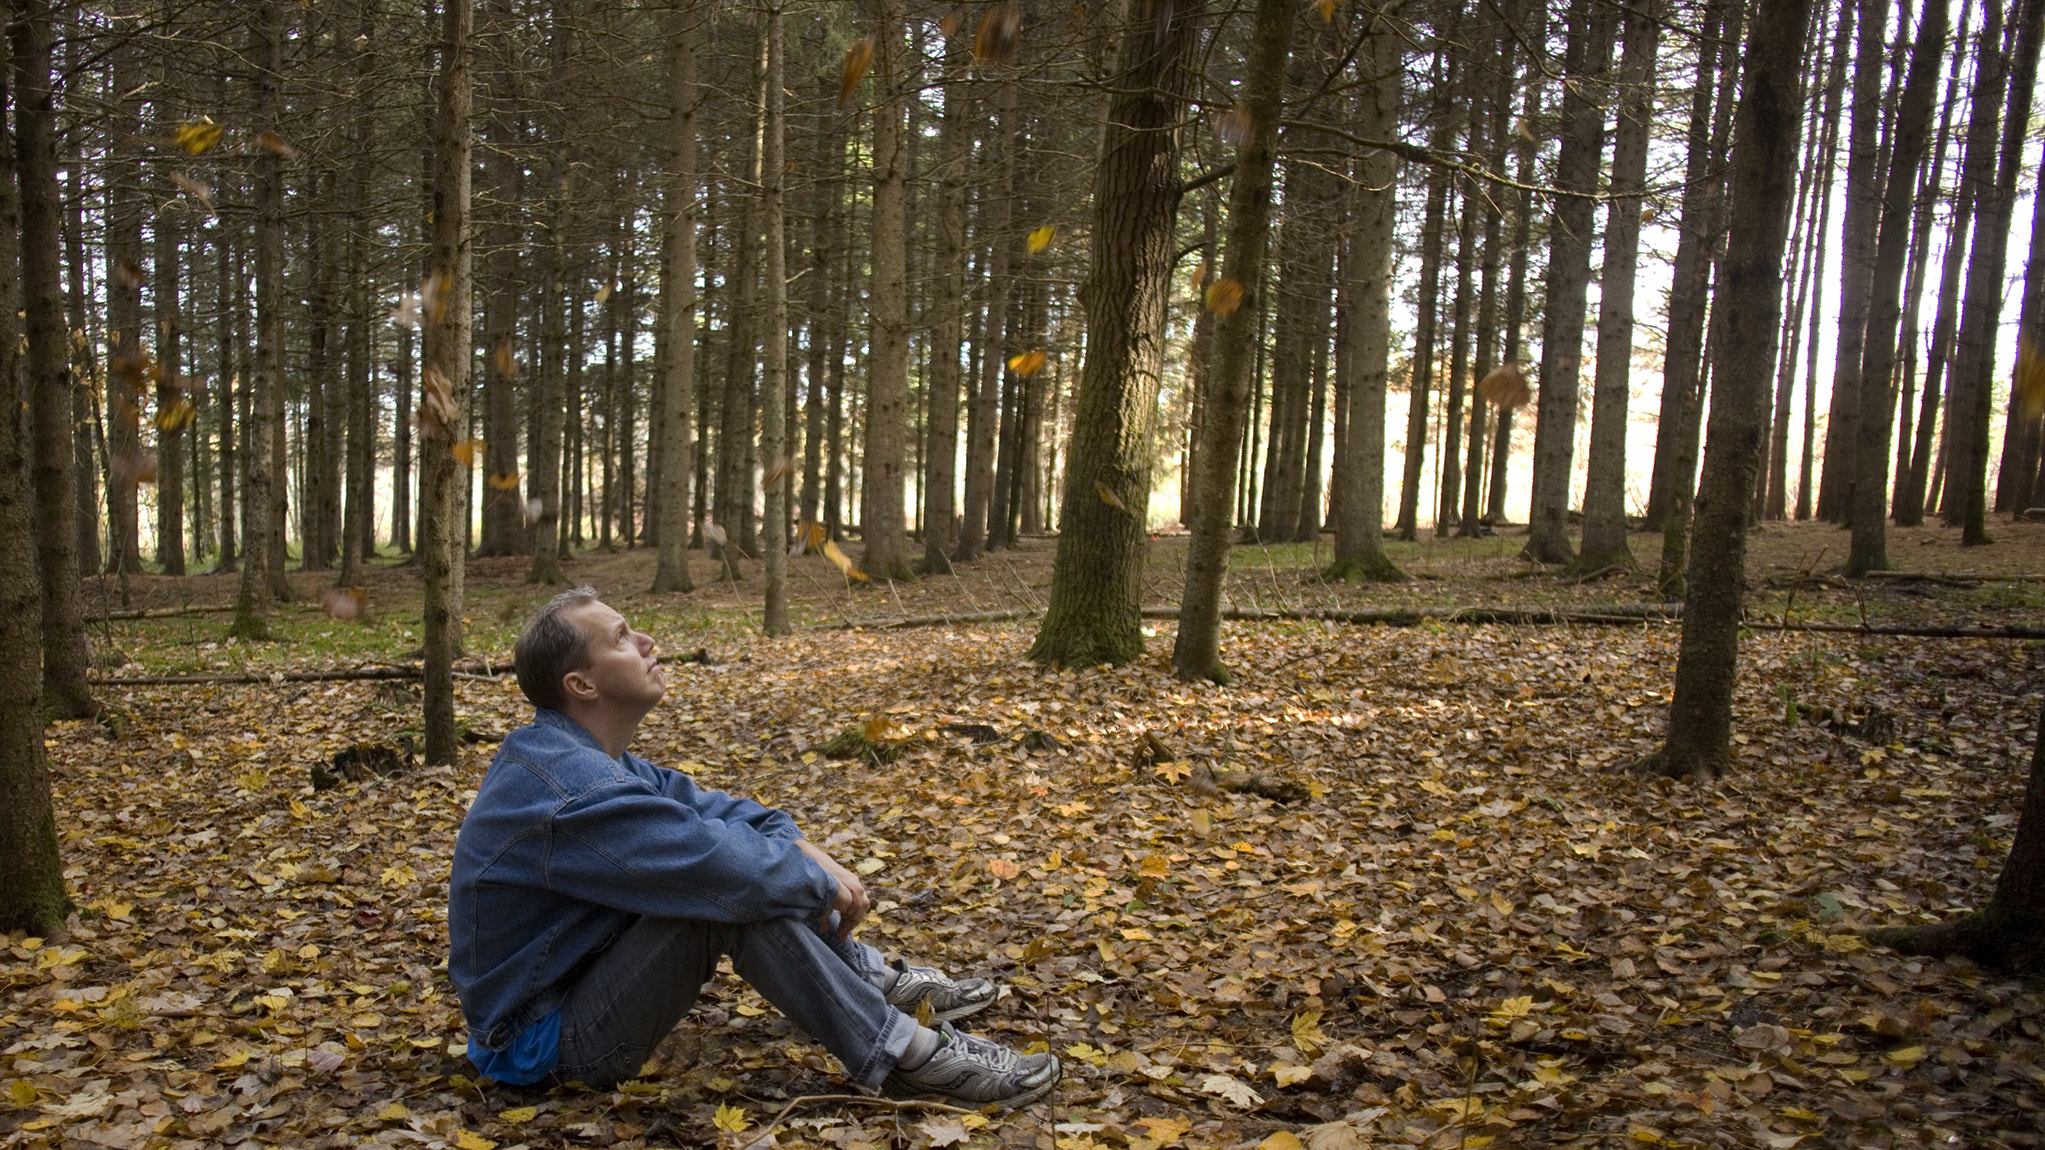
point(620, 665)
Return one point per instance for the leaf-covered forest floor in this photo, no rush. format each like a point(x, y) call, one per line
point(1477, 930)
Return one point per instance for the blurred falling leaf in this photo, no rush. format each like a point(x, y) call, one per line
point(176, 416)
point(1224, 297)
point(534, 508)
point(776, 475)
point(465, 452)
point(1236, 128)
point(132, 467)
point(198, 135)
point(713, 533)
point(502, 482)
point(433, 296)
point(1000, 35)
point(1327, 10)
point(436, 401)
point(949, 24)
point(2030, 379)
point(1027, 364)
point(273, 142)
point(505, 360)
point(406, 314)
point(876, 728)
point(809, 536)
point(1109, 497)
point(842, 561)
point(193, 188)
point(603, 293)
point(1525, 132)
point(1504, 387)
point(1041, 238)
point(1199, 276)
point(1161, 21)
point(344, 602)
point(858, 59)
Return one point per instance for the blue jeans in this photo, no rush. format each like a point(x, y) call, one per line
point(639, 986)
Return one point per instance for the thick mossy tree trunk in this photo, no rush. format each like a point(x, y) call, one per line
point(1238, 307)
point(2009, 932)
point(1093, 614)
point(1764, 152)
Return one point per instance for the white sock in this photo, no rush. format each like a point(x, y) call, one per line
point(920, 1048)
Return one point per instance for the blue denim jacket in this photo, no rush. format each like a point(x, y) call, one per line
point(565, 846)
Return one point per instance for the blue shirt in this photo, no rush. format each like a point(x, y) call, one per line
point(564, 848)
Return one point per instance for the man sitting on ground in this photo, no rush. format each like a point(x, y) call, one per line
point(592, 894)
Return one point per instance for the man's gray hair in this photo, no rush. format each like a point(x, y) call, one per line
point(551, 646)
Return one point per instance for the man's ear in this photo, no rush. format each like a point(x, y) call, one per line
point(578, 686)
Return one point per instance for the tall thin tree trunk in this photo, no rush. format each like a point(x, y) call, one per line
point(1604, 500)
point(1196, 652)
point(883, 518)
point(265, 491)
point(678, 302)
point(444, 390)
point(1870, 506)
point(1749, 301)
point(774, 457)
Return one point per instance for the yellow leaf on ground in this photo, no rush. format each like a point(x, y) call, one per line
point(1281, 1140)
point(732, 1118)
point(470, 1140)
point(518, 1114)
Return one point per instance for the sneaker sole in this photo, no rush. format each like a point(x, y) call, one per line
point(893, 1088)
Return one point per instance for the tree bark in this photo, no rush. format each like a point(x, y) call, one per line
point(1749, 298)
point(1993, 184)
point(32, 897)
point(444, 392)
point(1096, 586)
point(1870, 504)
point(678, 306)
point(1857, 255)
point(948, 317)
point(775, 461)
point(1364, 291)
point(1196, 652)
point(1588, 56)
point(883, 519)
point(1604, 500)
point(264, 490)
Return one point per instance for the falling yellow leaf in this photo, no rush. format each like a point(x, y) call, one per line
point(1027, 364)
point(1109, 497)
point(1199, 276)
point(842, 561)
point(877, 728)
point(193, 188)
point(504, 482)
point(176, 416)
point(1203, 822)
point(1224, 297)
point(999, 36)
point(731, 1118)
point(1327, 8)
point(603, 293)
point(1041, 238)
point(465, 452)
point(949, 24)
point(2030, 379)
point(505, 359)
point(436, 401)
point(199, 135)
point(1504, 387)
point(858, 59)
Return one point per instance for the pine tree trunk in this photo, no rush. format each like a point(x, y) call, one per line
point(774, 458)
point(1857, 255)
point(443, 536)
point(1364, 289)
point(1993, 182)
point(358, 517)
point(127, 354)
point(264, 490)
point(941, 536)
point(678, 305)
point(1421, 383)
point(1588, 55)
point(1196, 652)
point(32, 897)
point(173, 409)
point(882, 517)
point(1870, 504)
point(501, 275)
point(1749, 299)
point(1604, 500)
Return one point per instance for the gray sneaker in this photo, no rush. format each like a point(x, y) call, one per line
point(949, 998)
point(978, 1072)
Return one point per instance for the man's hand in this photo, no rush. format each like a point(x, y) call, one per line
point(851, 903)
